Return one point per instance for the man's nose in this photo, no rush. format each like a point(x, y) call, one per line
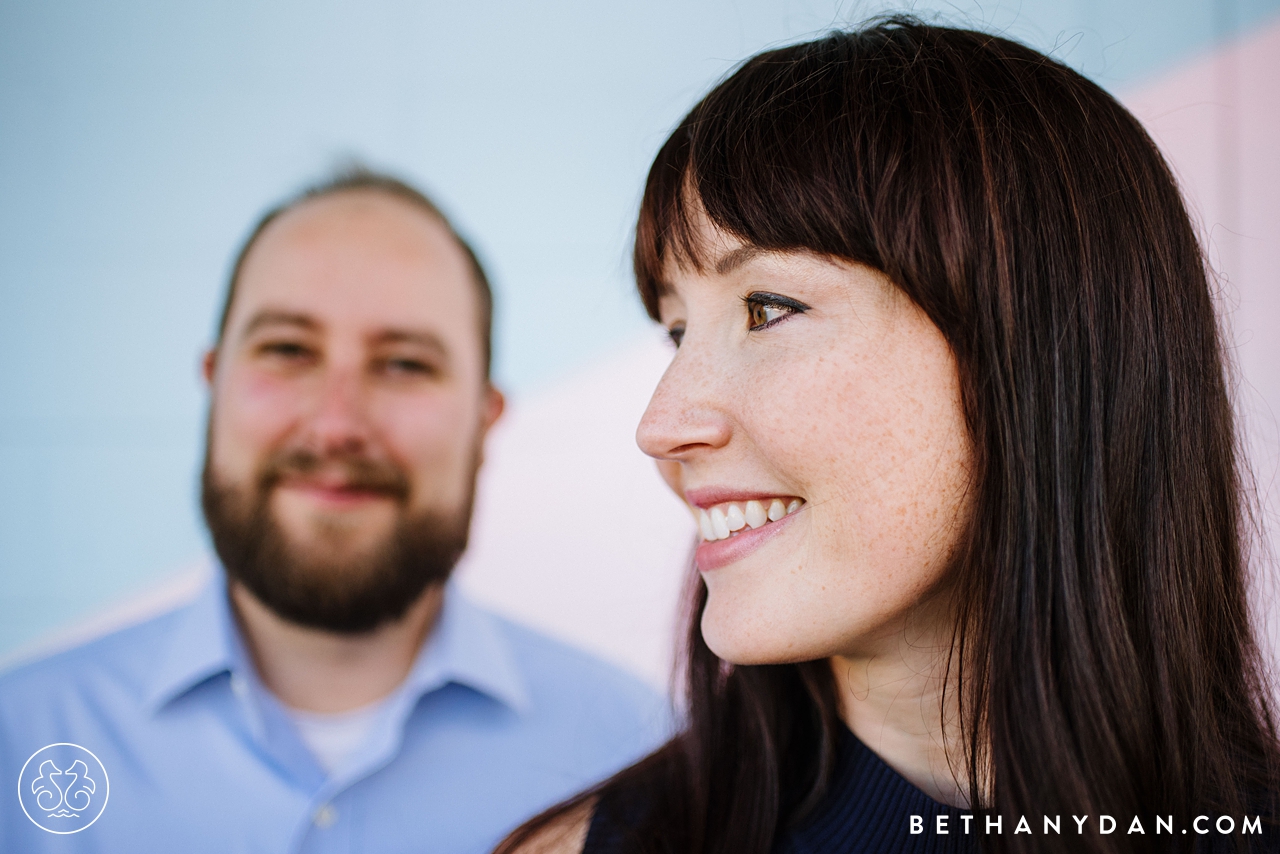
point(687, 413)
point(339, 424)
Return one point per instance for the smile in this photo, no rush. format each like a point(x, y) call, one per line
point(728, 519)
point(334, 495)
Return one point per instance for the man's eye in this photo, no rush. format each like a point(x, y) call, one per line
point(764, 310)
point(676, 334)
point(287, 350)
point(408, 367)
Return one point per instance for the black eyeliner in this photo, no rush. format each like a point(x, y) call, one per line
point(766, 298)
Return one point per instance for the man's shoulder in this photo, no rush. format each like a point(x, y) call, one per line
point(588, 712)
point(561, 674)
point(559, 661)
point(122, 659)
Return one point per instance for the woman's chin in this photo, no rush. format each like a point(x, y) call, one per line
point(738, 638)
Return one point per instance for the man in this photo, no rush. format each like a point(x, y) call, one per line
point(330, 691)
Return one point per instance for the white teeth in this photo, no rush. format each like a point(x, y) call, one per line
point(719, 524)
point(776, 510)
point(724, 520)
point(704, 526)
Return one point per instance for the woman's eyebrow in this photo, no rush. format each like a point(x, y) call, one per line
point(735, 258)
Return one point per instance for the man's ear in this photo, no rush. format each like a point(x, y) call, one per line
point(207, 365)
point(494, 404)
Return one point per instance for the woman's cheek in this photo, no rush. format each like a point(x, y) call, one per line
point(819, 421)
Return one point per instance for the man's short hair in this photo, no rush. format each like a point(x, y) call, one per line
point(363, 178)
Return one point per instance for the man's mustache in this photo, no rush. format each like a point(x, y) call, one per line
point(356, 472)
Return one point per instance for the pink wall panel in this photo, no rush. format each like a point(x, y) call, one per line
point(1218, 121)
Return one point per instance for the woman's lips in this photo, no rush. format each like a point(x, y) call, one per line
point(714, 554)
point(732, 529)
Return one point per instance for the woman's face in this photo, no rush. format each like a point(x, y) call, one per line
point(811, 418)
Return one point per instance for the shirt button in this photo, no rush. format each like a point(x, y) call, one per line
point(326, 816)
point(238, 686)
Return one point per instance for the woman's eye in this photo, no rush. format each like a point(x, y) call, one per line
point(676, 334)
point(763, 314)
point(764, 310)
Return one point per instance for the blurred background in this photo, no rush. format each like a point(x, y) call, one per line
point(139, 140)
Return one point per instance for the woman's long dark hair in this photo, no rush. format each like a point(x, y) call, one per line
point(1105, 660)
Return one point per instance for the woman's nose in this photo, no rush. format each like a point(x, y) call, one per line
point(685, 415)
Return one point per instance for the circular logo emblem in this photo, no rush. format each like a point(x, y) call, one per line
point(63, 788)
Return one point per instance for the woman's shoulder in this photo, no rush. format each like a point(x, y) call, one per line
point(565, 833)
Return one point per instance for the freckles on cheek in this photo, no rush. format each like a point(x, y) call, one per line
point(813, 413)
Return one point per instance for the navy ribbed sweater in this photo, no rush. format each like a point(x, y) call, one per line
point(867, 808)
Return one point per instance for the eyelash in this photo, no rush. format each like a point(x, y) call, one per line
point(759, 300)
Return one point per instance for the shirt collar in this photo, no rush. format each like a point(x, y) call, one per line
point(467, 646)
point(204, 644)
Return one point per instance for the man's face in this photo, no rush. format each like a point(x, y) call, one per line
point(349, 408)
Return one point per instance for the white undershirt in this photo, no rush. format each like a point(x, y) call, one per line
point(335, 738)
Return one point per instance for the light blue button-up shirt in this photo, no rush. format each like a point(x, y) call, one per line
point(493, 723)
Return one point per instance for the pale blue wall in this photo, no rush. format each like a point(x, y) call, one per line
point(138, 140)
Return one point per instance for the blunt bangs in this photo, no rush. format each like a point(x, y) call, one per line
point(790, 153)
point(901, 146)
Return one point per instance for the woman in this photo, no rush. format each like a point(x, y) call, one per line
point(949, 402)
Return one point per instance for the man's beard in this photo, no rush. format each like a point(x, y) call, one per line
point(305, 585)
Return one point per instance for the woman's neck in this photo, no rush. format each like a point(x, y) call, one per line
point(893, 701)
